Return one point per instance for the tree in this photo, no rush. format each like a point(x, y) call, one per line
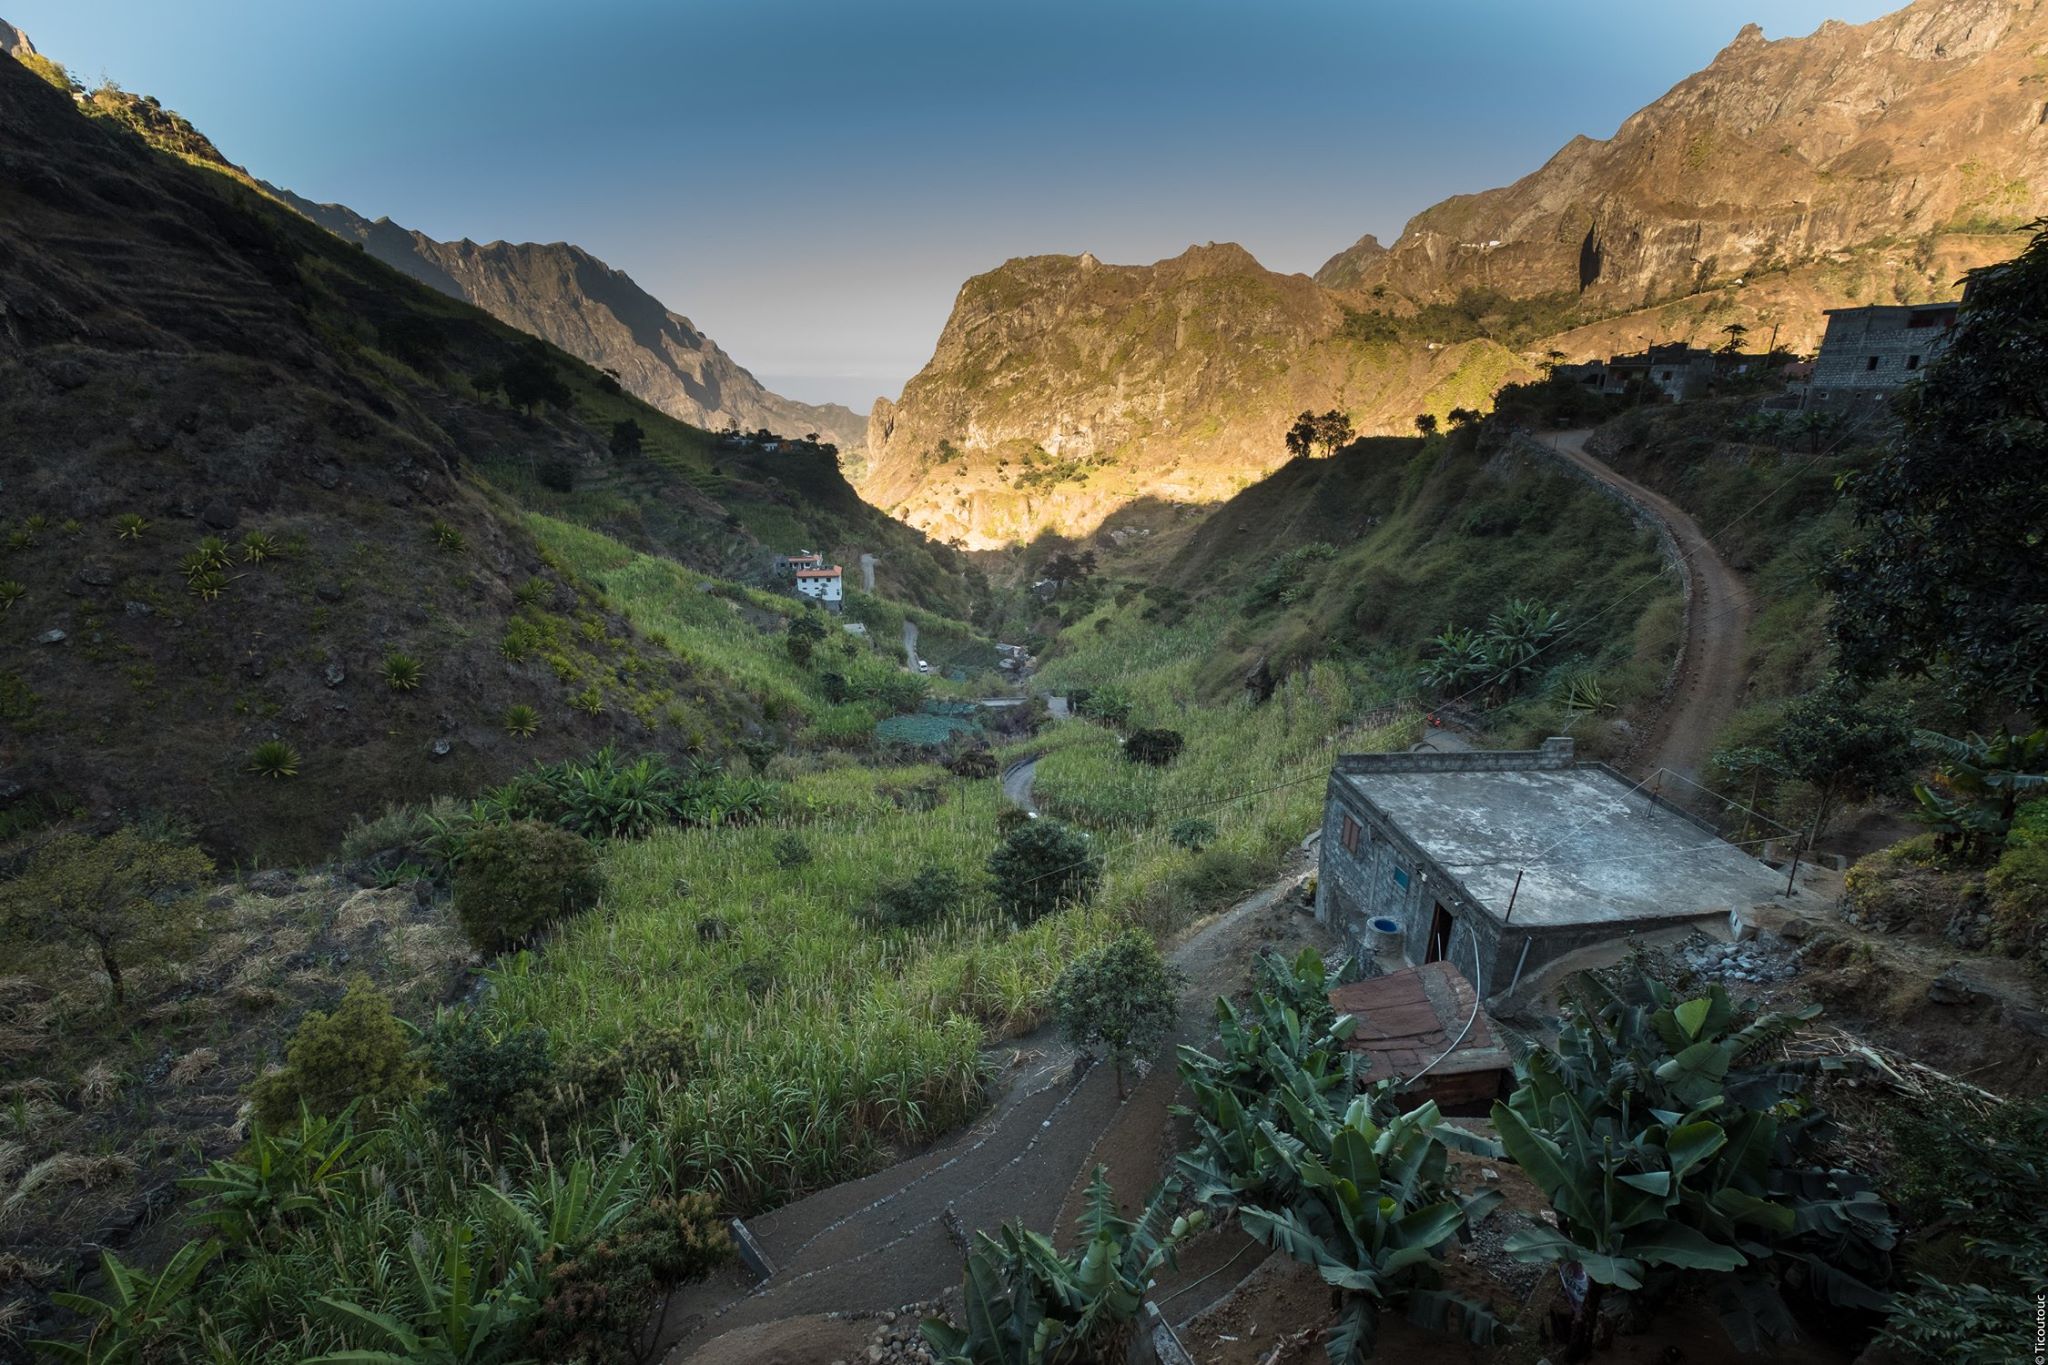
point(1465, 417)
point(531, 380)
point(1735, 332)
point(1042, 866)
point(1944, 573)
point(1425, 423)
point(1155, 747)
point(1328, 432)
point(1843, 745)
point(1122, 998)
point(121, 898)
point(627, 437)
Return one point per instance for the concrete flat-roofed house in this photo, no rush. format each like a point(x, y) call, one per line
point(1502, 861)
point(1868, 354)
point(822, 586)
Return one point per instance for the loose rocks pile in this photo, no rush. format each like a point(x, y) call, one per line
point(895, 1340)
point(1755, 962)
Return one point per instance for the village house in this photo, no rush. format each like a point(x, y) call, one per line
point(787, 565)
point(821, 585)
point(1868, 354)
point(1674, 370)
point(1500, 862)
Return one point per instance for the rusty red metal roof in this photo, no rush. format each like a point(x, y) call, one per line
point(1409, 1018)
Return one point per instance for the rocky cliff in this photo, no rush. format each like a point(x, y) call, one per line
point(1063, 389)
point(598, 314)
point(1930, 120)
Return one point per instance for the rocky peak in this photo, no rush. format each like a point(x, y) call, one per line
point(14, 42)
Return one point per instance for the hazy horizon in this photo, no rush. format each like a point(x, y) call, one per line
point(810, 184)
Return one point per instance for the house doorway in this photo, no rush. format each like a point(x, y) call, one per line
point(1439, 935)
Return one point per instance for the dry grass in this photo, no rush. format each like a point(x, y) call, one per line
point(193, 1065)
point(385, 907)
point(97, 1084)
point(65, 1168)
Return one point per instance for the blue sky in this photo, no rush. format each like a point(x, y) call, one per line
point(811, 180)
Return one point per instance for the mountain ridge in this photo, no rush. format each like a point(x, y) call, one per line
point(564, 294)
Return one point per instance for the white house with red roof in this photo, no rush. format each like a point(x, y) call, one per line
point(821, 585)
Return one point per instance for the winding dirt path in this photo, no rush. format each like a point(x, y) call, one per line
point(1711, 669)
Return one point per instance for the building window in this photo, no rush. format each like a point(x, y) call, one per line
point(1870, 364)
point(1349, 836)
point(1401, 877)
point(1912, 362)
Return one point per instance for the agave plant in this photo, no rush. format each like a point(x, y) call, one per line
point(258, 546)
point(130, 526)
point(1027, 1304)
point(207, 584)
point(274, 758)
point(446, 536)
point(211, 554)
point(521, 720)
point(11, 591)
point(402, 672)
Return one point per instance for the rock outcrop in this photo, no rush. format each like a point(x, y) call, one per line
point(1780, 153)
point(562, 293)
point(1063, 389)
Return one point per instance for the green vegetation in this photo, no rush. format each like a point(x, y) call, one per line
point(1027, 1303)
point(1041, 867)
point(1120, 998)
point(1933, 580)
point(517, 877)
point(360, 1054)
point(402, 672)
point(274, 758)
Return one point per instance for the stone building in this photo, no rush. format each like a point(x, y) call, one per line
point(1503, 861)
point(1867, 354)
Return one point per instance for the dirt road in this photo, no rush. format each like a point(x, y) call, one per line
point(894, 1238)
point(1711, 668)
point(1017, 780)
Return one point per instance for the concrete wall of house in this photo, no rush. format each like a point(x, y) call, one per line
point(1869, 352)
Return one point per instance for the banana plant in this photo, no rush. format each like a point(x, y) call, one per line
point(143, 1318)
point(1981, 780)
point(458, 1320)
point(1374, 1216)
point(1671, 1138)
point(260, 1194)
point(1027, 1304)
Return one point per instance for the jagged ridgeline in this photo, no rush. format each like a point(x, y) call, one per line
point(266, 492)
point(1864, 164)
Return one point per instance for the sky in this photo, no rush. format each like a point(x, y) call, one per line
point(810, 181)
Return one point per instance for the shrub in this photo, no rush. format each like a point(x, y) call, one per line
point(485, 1082)
point(589, 701)
point(1042, 866)
point(211, 554)
point(1111, 705)
point(258, 546)
point(518, 877)
point(11, 591)
point(558, 475)
point(130, 526)
point(2018, 887)
point(446, 537)
point(1193, 834)
point(358, 1054)
point(402, 672)
point(274, 758)
point(973, 764)
point(925, 897)
point(207, 584)
point(600, 1295)
point(790, 850)
point(521, 720)
point(1156, 747)
point(533, 592)
point(1121, 998)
